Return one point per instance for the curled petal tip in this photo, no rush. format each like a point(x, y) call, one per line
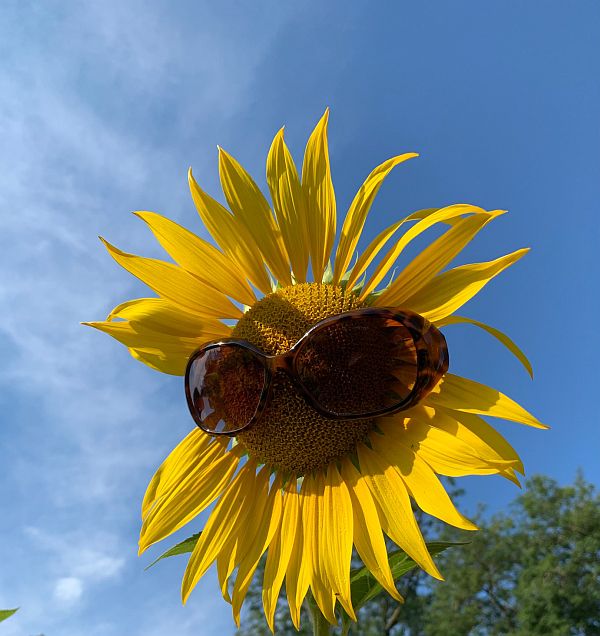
point(185, 594)
point(469, 525)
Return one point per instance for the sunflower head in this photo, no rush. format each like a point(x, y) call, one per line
point(304, 488)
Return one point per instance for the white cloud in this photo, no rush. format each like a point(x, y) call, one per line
point(88, 557)
point(68, 589)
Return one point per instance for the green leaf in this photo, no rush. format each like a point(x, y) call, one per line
point(365, 587)
point(180, 548)
point(4, 614)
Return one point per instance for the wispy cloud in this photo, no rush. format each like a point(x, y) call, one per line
point(88, 557)
point(95, 120)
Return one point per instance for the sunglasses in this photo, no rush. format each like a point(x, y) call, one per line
point(360, 364)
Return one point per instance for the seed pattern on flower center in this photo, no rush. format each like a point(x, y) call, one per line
point(291, 436)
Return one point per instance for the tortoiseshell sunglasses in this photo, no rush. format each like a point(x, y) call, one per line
point(356, 365)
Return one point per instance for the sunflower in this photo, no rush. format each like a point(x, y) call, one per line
point(303, 488)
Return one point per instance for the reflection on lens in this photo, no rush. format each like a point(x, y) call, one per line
point(359, 366)
point(224, 388)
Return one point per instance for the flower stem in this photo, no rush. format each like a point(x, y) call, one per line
point(319, 622)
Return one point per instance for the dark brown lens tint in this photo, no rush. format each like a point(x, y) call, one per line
point(359, 365)
point(224, 386)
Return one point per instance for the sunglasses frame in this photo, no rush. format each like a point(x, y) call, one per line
point(424, 334)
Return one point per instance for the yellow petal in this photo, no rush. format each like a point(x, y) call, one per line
point(319, 197)
point(434, 258)
point(368, 537)
point(250, 207)
point(299, 570)
point(185, 500)
point(192, 451)
point(336, 533)
point(168, 353)
point(175, 284)
point(160, 334)
point(372, 250)
point(475, 432)
point(449, 291)
point(425, 212)
point(225, 565)
point(231, 236)
point(425, 488)
point(395, 512)
point(240, 543)
point(290, 209)
point(358, 211)
point(267, 525)
point(431, 219)
point(502, 337)
point(159, 315)
point(445, 453)
point(377, 244)
point(165, 362)
point(455, 392)
point(147, 340)
point(199, 257)
point(280, 552)
point(221, 523)
point(315, 546)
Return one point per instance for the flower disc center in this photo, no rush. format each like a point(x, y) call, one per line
point(290, 435)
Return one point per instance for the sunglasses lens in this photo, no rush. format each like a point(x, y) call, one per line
point(355, 367)
point(223, 388)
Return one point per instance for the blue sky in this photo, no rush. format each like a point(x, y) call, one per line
point(103, 106)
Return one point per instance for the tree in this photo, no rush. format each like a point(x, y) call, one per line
point(534, 569)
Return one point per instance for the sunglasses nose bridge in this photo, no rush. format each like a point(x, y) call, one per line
point(282, 362)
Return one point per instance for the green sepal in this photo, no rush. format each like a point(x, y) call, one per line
point(375, 294)
point(346, 276)
point(328, 274)
point(4, 614)
point(370, 299)
point(184, 547)
point(358, 287)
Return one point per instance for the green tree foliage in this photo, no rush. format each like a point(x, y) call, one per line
point(534, 569)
